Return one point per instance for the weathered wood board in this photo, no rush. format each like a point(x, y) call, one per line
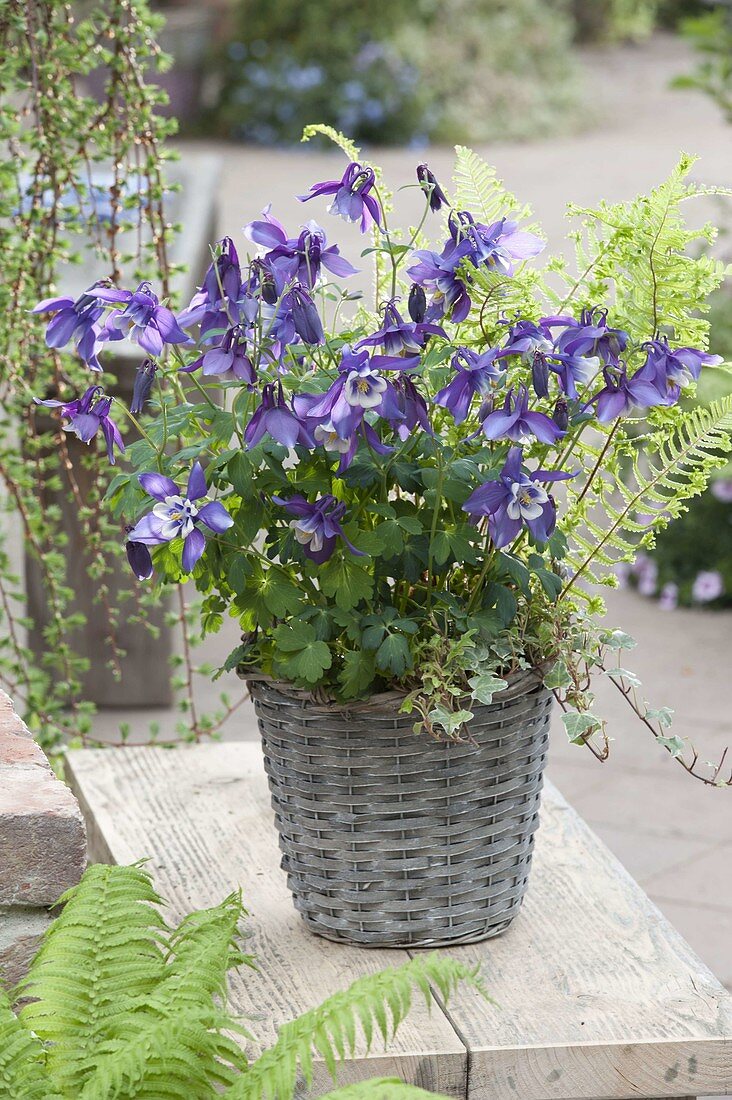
point(597, 996)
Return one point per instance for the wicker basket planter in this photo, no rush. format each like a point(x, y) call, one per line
point(392, 838)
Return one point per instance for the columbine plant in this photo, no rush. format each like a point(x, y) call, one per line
point(422, 495)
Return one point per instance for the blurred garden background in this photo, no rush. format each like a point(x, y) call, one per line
point(581, 100)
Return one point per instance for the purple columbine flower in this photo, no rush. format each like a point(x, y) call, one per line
point(77, 319)
point(669, 370)
point(474, 374)
point(317, 526)
point(438, 274)
point(515, 422)
point(352, 198)
point(590, 336)
point(298, 259)
point(621, 394)
point(86, 415)
point(359, 388)
point(400, 337)
point(218, 302)
point(708, 585)
point(495, 246)
point(412, 406)
point(428, 182)
point(527, 338)
point(516, 499)
point(177, 515)
point(142, 319)
point(275, 417)
point(228, 361)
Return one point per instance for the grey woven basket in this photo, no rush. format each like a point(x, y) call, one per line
point(393, 838)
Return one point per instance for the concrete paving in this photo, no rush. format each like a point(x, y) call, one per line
point(672, 833)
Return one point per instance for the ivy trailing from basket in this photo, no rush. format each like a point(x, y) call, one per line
point(424, 493)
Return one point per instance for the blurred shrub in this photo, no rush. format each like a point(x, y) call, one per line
point(711, 36)
point(628, 20)
point(393, 71)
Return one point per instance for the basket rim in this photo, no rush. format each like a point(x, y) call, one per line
point(520, 682)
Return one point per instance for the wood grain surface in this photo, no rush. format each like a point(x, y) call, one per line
point(597, 996)
point(203, 816)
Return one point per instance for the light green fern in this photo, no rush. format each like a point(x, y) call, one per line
point(124, 1007)
point(640, 257)
point(380, 1000)
point(478, 189)
point(621, 507)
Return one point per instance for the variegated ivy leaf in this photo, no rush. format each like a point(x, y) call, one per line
point(618, 639)
point(623, 674)
point(663, 715)
point(485, 685)
point(558, 676)
point(675, 745)
point(450, 720)
point(579, 726)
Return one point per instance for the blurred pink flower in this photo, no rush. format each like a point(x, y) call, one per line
point(722, 489)
point(669, 598)
point(707, 586)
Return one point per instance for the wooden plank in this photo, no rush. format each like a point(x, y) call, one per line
point(203, 816)
point(597, 995)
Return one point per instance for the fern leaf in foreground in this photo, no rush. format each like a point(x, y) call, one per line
point(331, 1029)
point(101, 954)
point(22, 1060)
point(175, 1056)
point(383, 1088)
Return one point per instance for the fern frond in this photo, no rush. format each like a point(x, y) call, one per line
point(201, 950)
point(383, 1088)
point(478, 189)
point(183, 1055)
point(638, 253)
point(101, 954)
point(347, 146)
point(380, 1000)
point(22, 1060)
point(622, 508)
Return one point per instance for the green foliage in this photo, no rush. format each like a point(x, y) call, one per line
point(53, 140)
point(120, 1005)
point(642, 255)
point(710, 34)
point(390, 72)
point(619, 513)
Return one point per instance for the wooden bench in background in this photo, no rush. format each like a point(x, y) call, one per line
point(597, 996)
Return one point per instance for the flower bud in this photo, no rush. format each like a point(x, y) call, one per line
point(305, 318)
point(143, 385)
point(427, 181)
point(417, 304)
point(560, 416)
point(140, 560)
point(269, 290)
point(540, 375)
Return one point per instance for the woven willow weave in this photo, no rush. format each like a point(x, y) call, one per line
point(392, 838)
